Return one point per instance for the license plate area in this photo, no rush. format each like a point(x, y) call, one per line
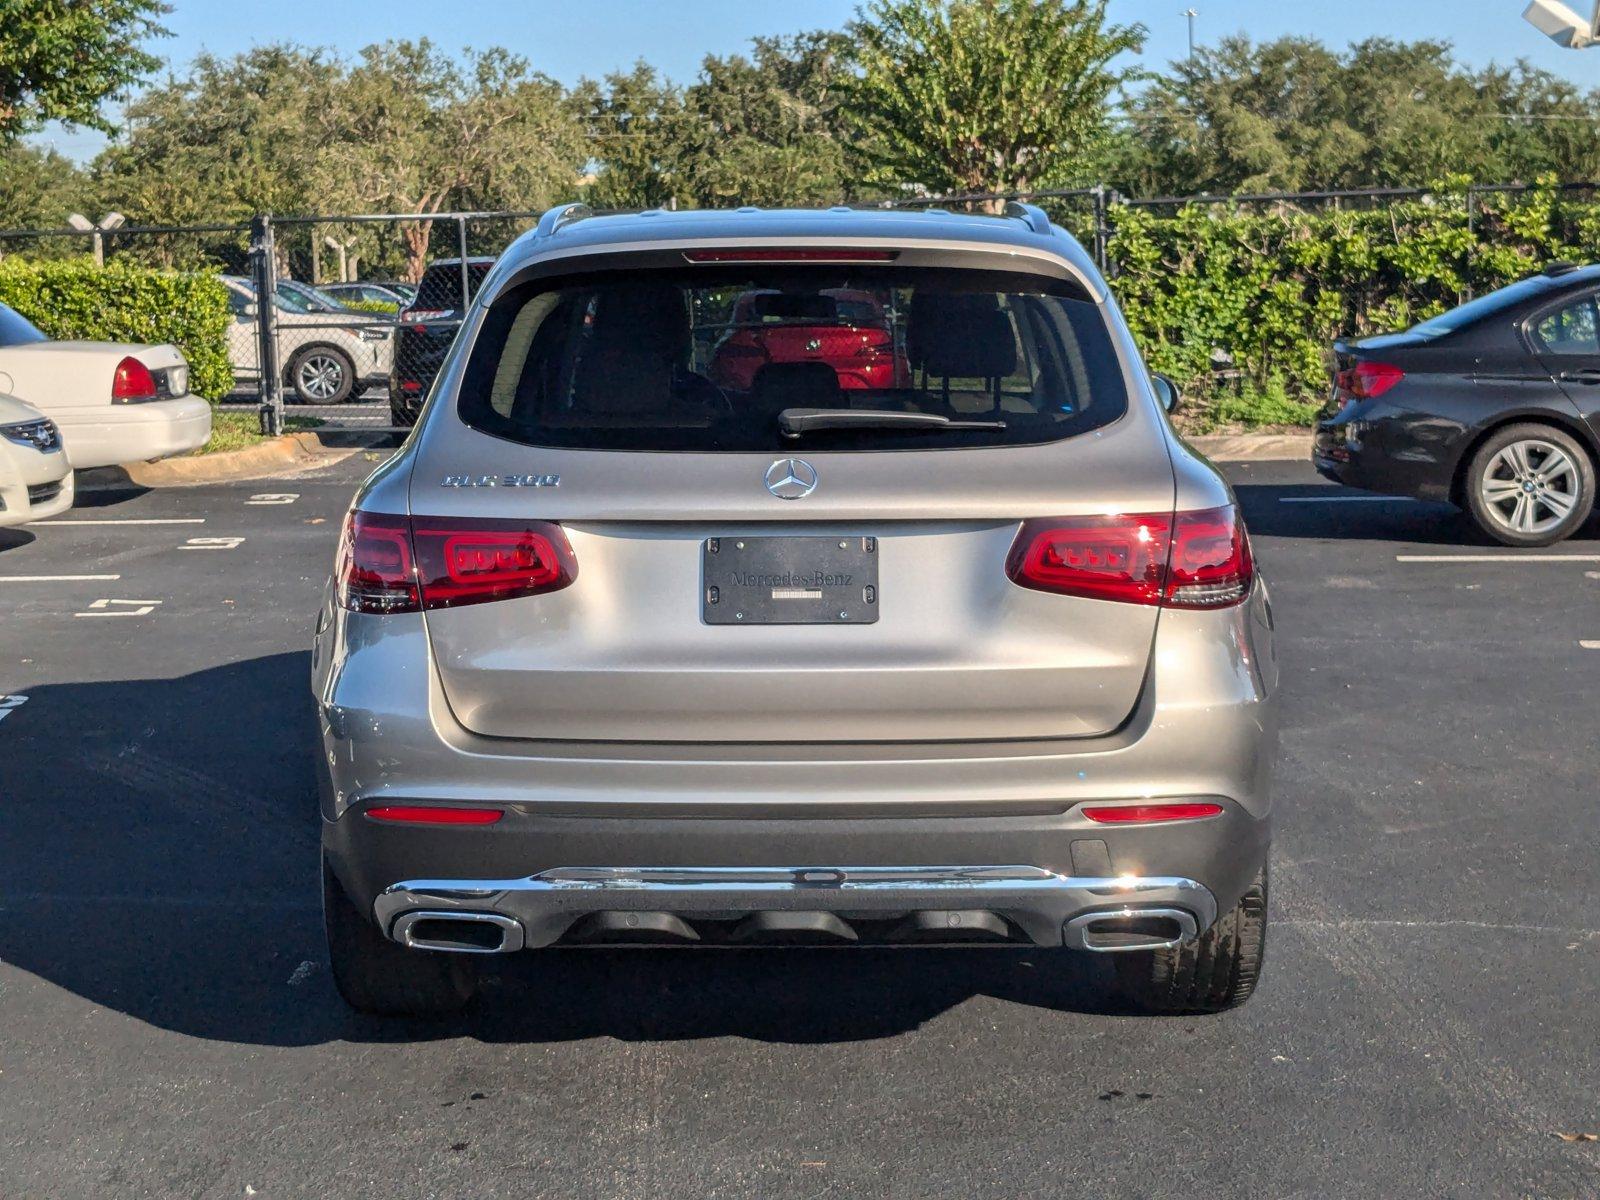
point(789, 580)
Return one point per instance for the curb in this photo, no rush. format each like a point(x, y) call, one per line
point(1253, 447)
point(292, 452)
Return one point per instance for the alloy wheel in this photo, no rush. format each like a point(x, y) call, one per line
point(1530, 487)
point(320, 376)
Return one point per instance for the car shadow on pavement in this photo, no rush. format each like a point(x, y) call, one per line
point(160, 840)
point(1412, 522)
point(15, 539)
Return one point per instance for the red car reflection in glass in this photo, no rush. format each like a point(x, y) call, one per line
point(845, 329)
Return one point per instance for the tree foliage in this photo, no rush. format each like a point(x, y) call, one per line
point(985, 95)
point(61, 59)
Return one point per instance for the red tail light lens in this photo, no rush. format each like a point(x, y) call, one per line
point(1190, 560)
point(132, 383)
point(376, 572)
point(390, 565)
point(490, 560)
point(433, 814)
point(1367, 380)
point(1124, 814)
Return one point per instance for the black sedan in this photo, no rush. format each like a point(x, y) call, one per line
point(1493, 406)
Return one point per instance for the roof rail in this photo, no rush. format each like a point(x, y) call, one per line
point(562, 214)
point(1032, 214)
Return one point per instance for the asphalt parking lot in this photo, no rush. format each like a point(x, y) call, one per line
point(1426, 1023)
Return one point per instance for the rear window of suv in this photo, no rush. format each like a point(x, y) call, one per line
point(17, 330)
point(708, 359)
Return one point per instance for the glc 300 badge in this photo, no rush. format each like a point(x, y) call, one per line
point(510, 481)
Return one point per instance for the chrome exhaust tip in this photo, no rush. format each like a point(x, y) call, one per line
point(1124, 930)
point(458, 932)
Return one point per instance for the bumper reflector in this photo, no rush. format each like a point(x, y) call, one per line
point(1121, 814)
point(433, 814)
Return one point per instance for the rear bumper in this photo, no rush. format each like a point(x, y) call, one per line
point(734, 905)
point(1378, 451)
point(107, 435)
point(546, 874)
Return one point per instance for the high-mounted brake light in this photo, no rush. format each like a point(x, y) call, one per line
point(132, 383)
point(432, 814)
point(1368, 380)
point(1127, 814)
point(388, 564)
point(790, 254)
point(1197, 559)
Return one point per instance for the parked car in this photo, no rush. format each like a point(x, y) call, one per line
point(1493, 407)
point(328, 353)
point(427, 327)
point(614, 654)
point(846, 331)
point(113, 402)
point(35, 473)
point(389, 296)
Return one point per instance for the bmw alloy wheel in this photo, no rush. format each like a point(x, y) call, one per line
point(1530, 487)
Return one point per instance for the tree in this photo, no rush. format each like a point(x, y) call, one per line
point(38, 188)
point(637, 129)
point(420, 132)
point(985, 95)
point(60, 59)
point(1293, 114)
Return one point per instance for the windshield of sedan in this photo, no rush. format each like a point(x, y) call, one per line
point(17, 330)
point(297, 297)
point(712, 358)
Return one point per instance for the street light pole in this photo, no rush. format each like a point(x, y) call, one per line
point(1191, 14)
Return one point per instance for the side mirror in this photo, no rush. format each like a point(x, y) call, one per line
point(1166, 390)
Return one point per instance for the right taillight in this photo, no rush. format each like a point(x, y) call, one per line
point(1367, 380)
point(132, 383)
point(388, 564)
point(1198, 559)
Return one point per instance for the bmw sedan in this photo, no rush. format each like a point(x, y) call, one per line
point(1493, 406)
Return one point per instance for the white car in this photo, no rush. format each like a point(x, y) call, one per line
point(114, 402)
point(328, 353)
point(35, 475)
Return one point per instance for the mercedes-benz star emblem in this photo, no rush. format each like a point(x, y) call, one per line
point(791, 478)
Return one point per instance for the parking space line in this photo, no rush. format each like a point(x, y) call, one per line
point(55, 578)
point(131, 521)
point(1348, 500)
point(1496, 558)
point(1589, 645)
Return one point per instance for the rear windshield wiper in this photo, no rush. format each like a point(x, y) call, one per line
point(796, 422)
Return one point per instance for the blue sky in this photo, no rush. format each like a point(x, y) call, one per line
point(568, 40)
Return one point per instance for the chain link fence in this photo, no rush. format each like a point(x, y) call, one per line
point(365, 307)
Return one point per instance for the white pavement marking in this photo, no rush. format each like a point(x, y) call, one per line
point(1348, 500)
point(54, 578)
point(274, 498)
point(1495, 558)
point(1589, 645)
point(10, 704)
point(135, 608)
point(132, 521)
point(213, 543)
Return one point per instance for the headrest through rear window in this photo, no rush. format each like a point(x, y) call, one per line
point(791, 306)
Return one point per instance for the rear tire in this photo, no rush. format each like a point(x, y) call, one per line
point(1215, 972)
point(1521, 481)
point(322, 375)
point(383, 978)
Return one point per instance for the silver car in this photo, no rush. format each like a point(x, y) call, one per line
point(923, 629)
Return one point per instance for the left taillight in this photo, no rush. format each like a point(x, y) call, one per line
point(1368, 380)
point(1196, 559)
point(133, 383)
point(388, 564)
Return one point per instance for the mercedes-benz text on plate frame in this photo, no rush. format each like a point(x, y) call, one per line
point(1008, 679)
point(791, 478)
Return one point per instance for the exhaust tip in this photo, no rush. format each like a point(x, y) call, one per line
point(1130, 929)
point(458, 932)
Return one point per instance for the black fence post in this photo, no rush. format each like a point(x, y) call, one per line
point(264, 275)
point(466, 275)
point(1472, 233)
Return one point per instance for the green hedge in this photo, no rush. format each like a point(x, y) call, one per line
point(1273, 289)
point(125, 303)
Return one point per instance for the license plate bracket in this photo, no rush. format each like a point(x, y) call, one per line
point(789, 580)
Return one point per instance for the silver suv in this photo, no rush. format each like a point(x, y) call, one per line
point(919, 628)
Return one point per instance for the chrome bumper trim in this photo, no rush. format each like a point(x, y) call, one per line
point(1040, 902)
